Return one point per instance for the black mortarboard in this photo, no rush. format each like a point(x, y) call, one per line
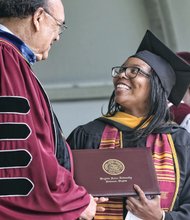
point(172, 71)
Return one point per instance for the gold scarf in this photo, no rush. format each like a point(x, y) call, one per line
point(127, 119)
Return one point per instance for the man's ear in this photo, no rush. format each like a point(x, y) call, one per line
point(38, 17)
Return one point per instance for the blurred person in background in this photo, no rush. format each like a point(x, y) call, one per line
point(181, 113)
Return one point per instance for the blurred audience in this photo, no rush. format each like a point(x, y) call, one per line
point(181, 113)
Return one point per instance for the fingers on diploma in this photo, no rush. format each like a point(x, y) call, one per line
point(100, 199)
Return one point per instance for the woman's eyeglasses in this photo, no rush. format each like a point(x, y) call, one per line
point(130, 72)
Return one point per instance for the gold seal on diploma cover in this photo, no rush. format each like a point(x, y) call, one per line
point(113, 167)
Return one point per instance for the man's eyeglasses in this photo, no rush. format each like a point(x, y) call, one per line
point(130, 72)
point(62, 26)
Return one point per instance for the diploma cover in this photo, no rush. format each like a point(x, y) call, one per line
point(113, 172)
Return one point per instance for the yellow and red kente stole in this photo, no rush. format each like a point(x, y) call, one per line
point(165, 162)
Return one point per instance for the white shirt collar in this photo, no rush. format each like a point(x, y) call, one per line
point(3, 28)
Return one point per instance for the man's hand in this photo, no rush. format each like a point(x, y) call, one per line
point(100, 200)
point(90, 211)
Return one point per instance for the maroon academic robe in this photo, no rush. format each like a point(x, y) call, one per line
point(33, 186)
point(179, 112)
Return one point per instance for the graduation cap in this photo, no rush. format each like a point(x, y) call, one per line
point(173, 71)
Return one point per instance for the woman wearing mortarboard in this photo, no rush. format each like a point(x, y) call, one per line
point(138, 116)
